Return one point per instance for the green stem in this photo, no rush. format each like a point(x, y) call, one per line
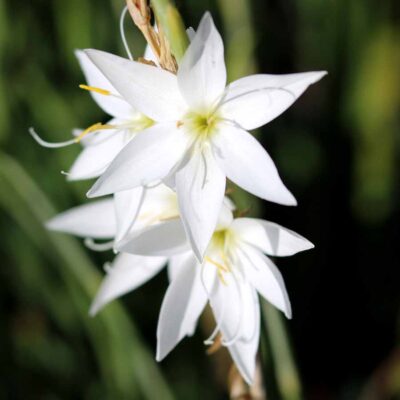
point(173, 26)
point(285, 367)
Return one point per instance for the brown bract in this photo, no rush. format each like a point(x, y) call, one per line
point(141, 16)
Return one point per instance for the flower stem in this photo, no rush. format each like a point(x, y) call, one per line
point(287, 377)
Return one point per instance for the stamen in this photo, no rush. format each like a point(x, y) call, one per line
point(236, 335)
point(50, 145)
point(92, 245)
point(122, 32)
point(216, 345)
point(217, 264)
point(95, 127)
point(95, 89)
point(210, 340)
point(107, 267)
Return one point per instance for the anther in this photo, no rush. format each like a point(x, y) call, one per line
point(95, 89)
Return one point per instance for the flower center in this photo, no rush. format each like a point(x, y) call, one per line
point(217, 254)
point(202, 125)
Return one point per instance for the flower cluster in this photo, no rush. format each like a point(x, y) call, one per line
point(165, 155)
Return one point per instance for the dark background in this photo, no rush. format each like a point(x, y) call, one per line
point(337, 149)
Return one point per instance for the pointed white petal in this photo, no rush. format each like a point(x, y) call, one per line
point(94, 77)
point(235, 306)
point(266, 278)
point(97, 154)
point(244, 352)
point(126, 274)
point(202, 72)
point(148, 157)
point(127, 207)
point(95, 220)
point(191, 33)
point(164, 239)
point(200, 186)
point(246, 163)
point(175, 264)
point(269, 237)
point(255, 100)
point(151, 90)
point(182, 305)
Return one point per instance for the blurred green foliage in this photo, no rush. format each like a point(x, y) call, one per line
point(345, 129)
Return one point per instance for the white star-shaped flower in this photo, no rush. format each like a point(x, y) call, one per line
point(200, 133)
point(150, 215)
point(102, 142)
point(234, 271)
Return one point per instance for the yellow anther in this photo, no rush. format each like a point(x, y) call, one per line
point(95, 89)
point(92, 128)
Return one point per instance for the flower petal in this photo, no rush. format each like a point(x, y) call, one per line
point(246, 163)
point(127, 207)
point(255, 100)
point(202, 72)
point(200, 186)
point(266, 278)
point(236, 309)
point(175, 264)
point(148, 157)
point(95, 220)
point(97, 154)
point(117, 107)
point(182, 305)
point(164, 239)
point(151, 90)
point(126, 274)
point(269, 237)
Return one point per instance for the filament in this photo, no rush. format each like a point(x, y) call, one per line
point(108, 268)
point(50, 145)
point(236, 335)
point(219, 319)
point(92, 128)
point(92, 245)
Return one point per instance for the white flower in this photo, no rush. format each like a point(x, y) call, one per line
point(102, 142)
point(234, 270)
point(199, 137)
point(151, 213)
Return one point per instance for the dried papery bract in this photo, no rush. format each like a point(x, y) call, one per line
point(141, 16)
point(238, 389)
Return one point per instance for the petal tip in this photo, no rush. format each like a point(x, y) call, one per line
point(94, 309)
point(51, 224)
point(160, 355)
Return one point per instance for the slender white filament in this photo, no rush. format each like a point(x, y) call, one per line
point(50, 145)
point(108, 268)
point(236, 335)
point(122, 31)
point(92, 245)
point(214, 333)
